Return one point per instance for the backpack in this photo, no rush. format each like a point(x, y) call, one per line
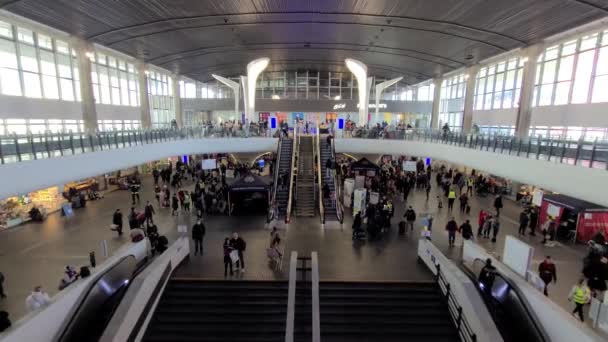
point(84, 272)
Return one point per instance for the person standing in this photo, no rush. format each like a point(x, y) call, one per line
point(498, 204)
point(487, 226)
point(328, 168)
point(451, 227)
point(581, 295)
point(470, 183)
point(239, 245)
point(451, 199)
point(198, 233)
point(155, 174)
point(464, 201)
point(186, 202)
point(174, 205)
point(117, 221)
point(547, 272)
point(410, 217)
point(428, 189)
point(149, 213)
point(533, 222)
point(227, 260)
point(480, 221)
point(486, 277)
point(523, 222)
point(37, 299)
point(2, 294)
point(495, 229)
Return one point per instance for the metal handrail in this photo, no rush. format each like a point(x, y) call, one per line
point(571, 152)
point(294, 153)
point(338, 189)
point(525, 304)
point(291, 297)
point(316, 312)
point(320, 180)
point(273, 206)
point(465, 331)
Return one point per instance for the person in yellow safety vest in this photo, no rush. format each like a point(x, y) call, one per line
point(581, 295)
point(451, 199)
point(470, 183)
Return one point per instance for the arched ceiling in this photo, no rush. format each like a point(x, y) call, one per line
point(416, 39)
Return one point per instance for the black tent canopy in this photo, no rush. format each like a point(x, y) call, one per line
point(364, 164)
point(249, 186)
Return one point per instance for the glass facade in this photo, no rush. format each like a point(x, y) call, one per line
point(498, 86)
point(114, 81)
point(160, 90)
point(451, 106)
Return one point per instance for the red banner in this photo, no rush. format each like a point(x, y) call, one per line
point(589, 223)
point(550, 209)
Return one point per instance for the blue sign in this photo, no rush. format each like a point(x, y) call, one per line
point(340, 123)
point(67, 210)
point(185, 159)
point(273, 122)
point(261, 163)
point(427, 161)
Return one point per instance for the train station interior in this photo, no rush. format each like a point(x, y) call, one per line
point(320, 170)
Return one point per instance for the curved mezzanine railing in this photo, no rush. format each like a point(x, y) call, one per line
point(590, 154)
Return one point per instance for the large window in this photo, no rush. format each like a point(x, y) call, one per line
point(451, 106)
point(499, 85)
point(187, 89)
point(160, 90)
point(575, 71)
point(114, 81)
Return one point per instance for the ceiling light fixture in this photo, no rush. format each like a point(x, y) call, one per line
point(276, 97)
point(338, 98)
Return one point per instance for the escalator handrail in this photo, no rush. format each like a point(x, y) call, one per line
point(525, 304)
point(320, 180)
point(294, 153)
point(464, 328)
point(83, 296)
point(337, 188)
point(271, 212)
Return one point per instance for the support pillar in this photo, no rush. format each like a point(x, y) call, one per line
point(144, 99)
point(524, 112)
point(436, 102)
point(177, 102)
point(469, 99)
point(89, 111)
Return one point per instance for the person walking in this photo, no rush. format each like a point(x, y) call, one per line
point(155, 174)
point(466, 231)
point(198, 233)
point(581, 295)
point(410, 217)
point(37, 299)
point(428, 190)
point(480, 221)
point(239, 245)
point(498, 204)
point(487, 226)
point(452, 228)
point(464, 201)
point(495, 229)
point(451, 199)
point(117, 222)
point(470, 182)
point(149, 213)
point(186, 202)
point(547, 272)
point(174, 205)
point(227, 260)
point(523, 222)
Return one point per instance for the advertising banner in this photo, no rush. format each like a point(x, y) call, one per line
point(589, 223)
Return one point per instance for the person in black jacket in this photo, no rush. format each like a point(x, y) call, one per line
point(451, 227)
point(240, 245)
point(149, 213)
point(198, 233)
point(498, 204)
point(410, 217)
point(523, 222)
point(533, 221)
point(117, 221)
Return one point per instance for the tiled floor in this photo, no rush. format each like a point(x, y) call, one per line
point(37, 253)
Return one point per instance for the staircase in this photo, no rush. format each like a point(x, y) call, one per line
point(284, 167)
point(220, 311)
point(303, 312)
point(305, 192)
point(385, 312)
point(330, 209)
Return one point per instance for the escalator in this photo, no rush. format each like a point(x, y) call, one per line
point(282, 173)
point(508, 307)
point(98, 302)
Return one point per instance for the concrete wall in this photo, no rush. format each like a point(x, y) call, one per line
point(17, 107)
point(24, 177)
point(575, 181)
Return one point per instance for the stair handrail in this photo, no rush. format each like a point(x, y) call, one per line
point(316, 316)
point(337, 187)
point(273, 201)
point(465, 331)
point(319, 179)
point(294, 153)
point(291, 297)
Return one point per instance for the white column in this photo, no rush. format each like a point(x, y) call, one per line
point(84, 51)
point(144, 99)
point(254, 68)
point(380, 88)
point(436, 102)
point(177, 101)
point(524, 112)
point(360, 71)
point(469, 99)
point(235, 88)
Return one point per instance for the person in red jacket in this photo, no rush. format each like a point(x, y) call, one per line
point(547, 272)
point(481, 220)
